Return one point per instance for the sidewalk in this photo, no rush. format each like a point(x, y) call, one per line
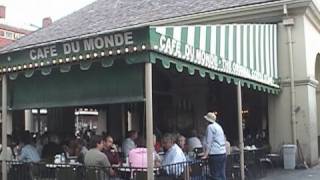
point(298, 174)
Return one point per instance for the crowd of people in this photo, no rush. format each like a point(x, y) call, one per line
point(100, 150)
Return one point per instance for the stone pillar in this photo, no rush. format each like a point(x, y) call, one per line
point(28, 117)
point(280, 124)
point(102, 121)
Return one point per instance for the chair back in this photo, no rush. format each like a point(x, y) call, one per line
point(93, 174)
point(66, 173)
point(140, 175)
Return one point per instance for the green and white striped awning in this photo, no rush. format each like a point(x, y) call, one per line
point(246, 52)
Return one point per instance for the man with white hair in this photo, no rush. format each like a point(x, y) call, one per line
point(174, 156)
point(215, 148)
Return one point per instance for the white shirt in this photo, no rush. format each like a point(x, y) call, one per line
point(174, 155)
point(9, 154)
point(215, 139)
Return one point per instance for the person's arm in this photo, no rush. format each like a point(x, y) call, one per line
point(23, 155)
point(106, 163)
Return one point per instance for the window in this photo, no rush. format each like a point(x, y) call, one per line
point(1, 33)
point(17, 35)
point(9, 35)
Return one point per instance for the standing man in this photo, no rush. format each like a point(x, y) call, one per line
point(215, 148)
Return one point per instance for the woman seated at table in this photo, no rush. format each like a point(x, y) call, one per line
point(94, 158)
point(138, 156)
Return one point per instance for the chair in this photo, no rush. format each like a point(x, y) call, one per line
point(196, 169)
point(198, 152)
point(140, 175)
point(93, 174)
point(229, 167)
point(66, 173)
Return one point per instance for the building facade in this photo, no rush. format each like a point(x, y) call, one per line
point(8, 34)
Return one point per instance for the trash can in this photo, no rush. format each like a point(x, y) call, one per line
point(289, 156)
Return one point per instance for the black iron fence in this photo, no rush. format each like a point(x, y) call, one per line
point(195, 170)
point(255, 165)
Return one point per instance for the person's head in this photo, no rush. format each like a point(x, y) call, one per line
point(96, 141)
point(210, 117)
point(26, 138)
point(133, 134)
point(108, 142)
point(193, 133)
point(141, 143)
point(181, 141)
point(167, 141)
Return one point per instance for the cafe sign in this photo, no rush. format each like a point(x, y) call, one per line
point(111, 44)
point(85, 45)
point(162, 40)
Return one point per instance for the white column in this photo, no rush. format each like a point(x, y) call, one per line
point(28, 117)
point(4, 125)
point(241, 145)
point(149, 118)
point(102, 121)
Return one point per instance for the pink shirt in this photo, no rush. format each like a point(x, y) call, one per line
point(138, 157)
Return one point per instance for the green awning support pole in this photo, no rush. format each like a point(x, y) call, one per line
point(149, 119)
point(241, 144)
point(4, 126)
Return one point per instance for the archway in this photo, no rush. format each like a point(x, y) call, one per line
point(317, 77)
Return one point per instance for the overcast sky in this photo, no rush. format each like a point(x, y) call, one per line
point(22, 13)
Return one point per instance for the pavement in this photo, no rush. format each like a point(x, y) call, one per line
point(297, 174)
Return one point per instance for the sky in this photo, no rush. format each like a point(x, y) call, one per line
point(26, 13)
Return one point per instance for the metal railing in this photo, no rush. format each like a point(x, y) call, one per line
point(193, 170)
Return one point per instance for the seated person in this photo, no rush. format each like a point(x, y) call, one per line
point(95, 158)
point(193, 141)
point(110, 150)
point(10, 153)
point(138, 156)
point(28, 152)
point(173, 155)
point(181, 141)
point(129, 143)
point(51, 149)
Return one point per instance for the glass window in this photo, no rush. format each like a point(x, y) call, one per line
point(9, 35)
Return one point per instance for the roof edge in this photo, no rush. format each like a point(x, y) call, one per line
point(217, 14)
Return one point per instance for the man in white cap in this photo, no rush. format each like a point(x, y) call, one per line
point(215, 148)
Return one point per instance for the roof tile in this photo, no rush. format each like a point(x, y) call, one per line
point(103, 15)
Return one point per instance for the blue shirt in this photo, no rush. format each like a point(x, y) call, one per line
point(174, 156)
point(29, 154)
point(216, 142)
point(127, 145)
